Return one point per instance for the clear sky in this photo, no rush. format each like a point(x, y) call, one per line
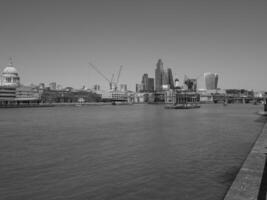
point(55, 40)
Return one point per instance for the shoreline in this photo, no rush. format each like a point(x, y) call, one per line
point(249, 182)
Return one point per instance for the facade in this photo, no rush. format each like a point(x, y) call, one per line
point(26, 92)
point(69, 96)
point(211, 80)
point(150, 84)
point(145, 82)
point(170, 78)
point(7, 93)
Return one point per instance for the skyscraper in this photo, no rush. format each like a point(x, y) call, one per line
point(150, 84)
point(163, 78)
point(145, 82)
point(170, 78)
point(211, 80)
point(159, 75)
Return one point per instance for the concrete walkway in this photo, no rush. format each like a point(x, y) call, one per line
point(248, 181)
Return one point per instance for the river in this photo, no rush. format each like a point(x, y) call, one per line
point(124, 152)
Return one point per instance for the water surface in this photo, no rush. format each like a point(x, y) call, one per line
point(124, 152)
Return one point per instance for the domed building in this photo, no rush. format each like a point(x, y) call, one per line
point(10, 76)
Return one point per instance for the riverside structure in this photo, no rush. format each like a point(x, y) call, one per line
point(12, 93)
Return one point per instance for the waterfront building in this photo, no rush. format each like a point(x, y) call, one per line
point(27, 92)
point(185, 98)
point(211, 80)
point(7, 93)
point(169, 97)
point(68, 96)
point(12, 93)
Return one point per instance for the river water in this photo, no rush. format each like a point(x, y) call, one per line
point(124, 152)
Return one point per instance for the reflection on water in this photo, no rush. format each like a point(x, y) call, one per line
point(124, 152)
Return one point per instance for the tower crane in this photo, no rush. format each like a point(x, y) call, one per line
point(101, 74)
point(118, 77)
point(110, 81)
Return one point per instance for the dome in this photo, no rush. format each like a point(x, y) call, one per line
point(10, 76)
point(10, 70)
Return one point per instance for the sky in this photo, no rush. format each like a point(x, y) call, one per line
point(55, 40)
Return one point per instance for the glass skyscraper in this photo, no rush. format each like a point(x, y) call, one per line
point(211, 80)
point(159, 75)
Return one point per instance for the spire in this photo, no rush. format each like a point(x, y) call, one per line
point(10, 61)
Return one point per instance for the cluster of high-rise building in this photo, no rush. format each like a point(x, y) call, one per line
point(147, 84)
point(163, 80)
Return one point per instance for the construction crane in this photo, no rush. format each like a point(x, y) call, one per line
point(118, 77)
point(110, 81)
point(101, 74)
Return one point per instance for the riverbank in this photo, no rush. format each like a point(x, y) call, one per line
point(82, 104)
point(250, 182)
point(55, 105)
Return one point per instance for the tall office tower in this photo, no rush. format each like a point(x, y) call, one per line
point(170, 78)
point(159, 75)
point(165, 77)
point(150, 84)
point(145, 82)
point(211, 80)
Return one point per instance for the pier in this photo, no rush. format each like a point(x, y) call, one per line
point(251, 181)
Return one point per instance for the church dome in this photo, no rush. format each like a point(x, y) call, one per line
point(10, 76)
point(10, 70)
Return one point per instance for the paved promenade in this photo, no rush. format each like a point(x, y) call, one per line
point(251, 181)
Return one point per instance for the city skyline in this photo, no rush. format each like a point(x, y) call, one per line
point(55, 41)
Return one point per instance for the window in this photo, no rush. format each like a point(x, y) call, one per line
point(8, 80)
